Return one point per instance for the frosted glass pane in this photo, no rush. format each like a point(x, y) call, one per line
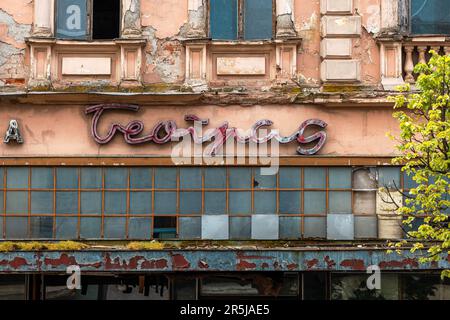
point(190, 202)
point(315, 178)
point(41, 227)
point(66, 228)
point(91, 202)
point(215, 178)
point(290, 227)
point(66, 178)
point(42, 178)
point(139, 228)
point(90, 228)
point(140, 178)
point(240, 178)
point(290, 177)
point(366, 227)
point(340, 202)
point(190, 228)
point(290, 201)
point(91, 178)
point(340, 178)
point(115, 202)
point(315, 202)
point(16, 228)
point(17, 178)
point(116, 178)
point(66, 202)
point(41, 202)
point(190, 178)
point(140, 202)
point(263, 181)
point(165, 178)
point(165, 203)
point(16, 202)
point(115, 228)
point(240, 202)
point(265, 202)
point(240, 228)
point(315, 227)
point(215, 202)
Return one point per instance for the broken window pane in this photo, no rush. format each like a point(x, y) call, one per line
point(263, 181)
point(240, 228)
point(165, 227)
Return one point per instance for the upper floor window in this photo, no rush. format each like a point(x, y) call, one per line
point(430, 17)
point(87, 19)
point(241, 19)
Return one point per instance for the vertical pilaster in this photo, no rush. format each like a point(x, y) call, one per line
point(131, 19)
point(43, 18)
point(285, 19)
point(196, 19)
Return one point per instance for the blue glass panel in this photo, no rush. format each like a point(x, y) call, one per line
point(17, 202)
point(223, 19)
point(258, 17)
point(139, 228)
point(141, 178)
point(315, 227)
point(90, 228)
point(66, 228)
point(290, 201)
point(215, 178)
point(340, 178)
point(215, 227)
point(91, 178)
point(91, 202)
point(115, 202)
point(265, 227)
point(41, 178)
point(290, 228)
point(240, 228)
point(240, 178)
point(2, 177)
point(215, 202)
point(290, 177)
point(388, 176)
point(116, 178)
point(190, 202)
point(165, 178)
point(17, 178)
point(114, 228)
point(41, 202)
point(430, 17)
point(190, 228)
point(190, 178)
point(165, 203)
point(408, 182)
point(315, 178)
point(140, 202)
point(66, 178)
point(16, 228)
point(340, 202)
point(240, 202)
point(71, 19)
point(265, 202)
point(315, 202)
point(66, 202)
point(263, 181)
point(42, 227)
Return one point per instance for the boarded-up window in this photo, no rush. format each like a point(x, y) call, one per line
point(241, 19)
point(430, 17)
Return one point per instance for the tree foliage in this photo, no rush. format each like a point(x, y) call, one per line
point(424, 118)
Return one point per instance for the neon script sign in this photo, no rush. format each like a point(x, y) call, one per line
point(167, 131)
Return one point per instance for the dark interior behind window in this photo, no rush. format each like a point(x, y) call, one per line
point(106, 19)
point(430, 17)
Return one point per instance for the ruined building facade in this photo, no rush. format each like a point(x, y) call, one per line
point(93, 92)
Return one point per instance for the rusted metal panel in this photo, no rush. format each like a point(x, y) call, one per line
point(213, 260)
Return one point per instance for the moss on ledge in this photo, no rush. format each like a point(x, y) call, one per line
point(40, 246)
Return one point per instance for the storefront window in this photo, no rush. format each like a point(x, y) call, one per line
point(12, 287)
point(354, 287)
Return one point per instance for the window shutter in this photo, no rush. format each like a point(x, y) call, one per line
point(258, 19)
point(430, 17)
point(71, 19)
point(223, 17)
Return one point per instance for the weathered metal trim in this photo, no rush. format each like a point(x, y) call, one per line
point(212, 260)
point(167, 161)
